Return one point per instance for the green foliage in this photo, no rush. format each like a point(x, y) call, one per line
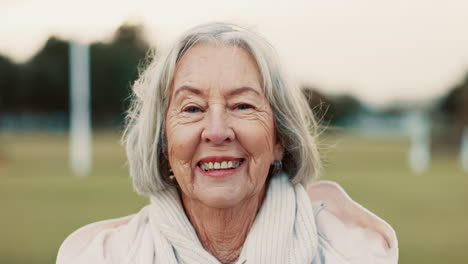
point(44, 86)
point(455, 104)
point(114, 67)
point(453, 110)
point(331, 110)
point(8, 81)
point(41, 85)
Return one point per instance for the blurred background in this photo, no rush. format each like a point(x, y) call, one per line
point(388, 81)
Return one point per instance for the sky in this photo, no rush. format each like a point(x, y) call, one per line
point(383, 52)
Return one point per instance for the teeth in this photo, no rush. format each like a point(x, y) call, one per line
point(220, 165)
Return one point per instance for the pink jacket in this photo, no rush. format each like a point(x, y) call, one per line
point(347, 233)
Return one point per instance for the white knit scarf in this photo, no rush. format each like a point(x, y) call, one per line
point(284, 229)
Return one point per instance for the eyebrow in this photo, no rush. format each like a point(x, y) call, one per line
point(197, 91)
point(189, 89)
point(241, 90)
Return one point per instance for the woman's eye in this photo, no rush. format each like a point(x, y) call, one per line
point(243, 106)
point(192, 109)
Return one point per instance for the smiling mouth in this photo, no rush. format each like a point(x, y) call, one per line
point(220, 165)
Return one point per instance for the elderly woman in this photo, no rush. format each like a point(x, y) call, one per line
point(223, 147)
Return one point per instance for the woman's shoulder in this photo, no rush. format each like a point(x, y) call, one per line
point(348, 231)
point(101, 242)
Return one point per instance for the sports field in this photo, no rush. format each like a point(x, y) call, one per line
point(41, 202)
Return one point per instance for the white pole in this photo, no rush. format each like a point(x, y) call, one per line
point(80, 120)
point(419, 154)
point(464, 150)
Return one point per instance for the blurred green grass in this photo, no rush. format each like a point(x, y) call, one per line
point(41, 201)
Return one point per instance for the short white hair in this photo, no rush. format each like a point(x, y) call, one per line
point(144, 135)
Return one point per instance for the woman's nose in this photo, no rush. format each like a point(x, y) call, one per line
point(217, 129)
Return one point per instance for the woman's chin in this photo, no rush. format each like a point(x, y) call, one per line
point(221, 198)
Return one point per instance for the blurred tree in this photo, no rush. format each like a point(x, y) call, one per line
point(41, 85)
point(114, 67)
point(456, 102)
point(344, 107)
point(44, 79)
point(8, 84)
point(455, 106)
point(331, 110)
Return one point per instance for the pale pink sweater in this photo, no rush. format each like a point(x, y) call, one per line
point(347, 234)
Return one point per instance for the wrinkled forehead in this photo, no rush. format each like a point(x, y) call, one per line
point(228, 64)
point(232, 41)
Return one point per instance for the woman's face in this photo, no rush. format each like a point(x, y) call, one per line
point(219, 127)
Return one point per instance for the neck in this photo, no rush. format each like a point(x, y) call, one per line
point(222, 231)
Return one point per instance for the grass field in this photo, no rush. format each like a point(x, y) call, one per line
point(41, 201)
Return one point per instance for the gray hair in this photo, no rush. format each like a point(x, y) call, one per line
point(144, 136)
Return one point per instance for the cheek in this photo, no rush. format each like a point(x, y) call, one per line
point(257, 137)
point(181, 144)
